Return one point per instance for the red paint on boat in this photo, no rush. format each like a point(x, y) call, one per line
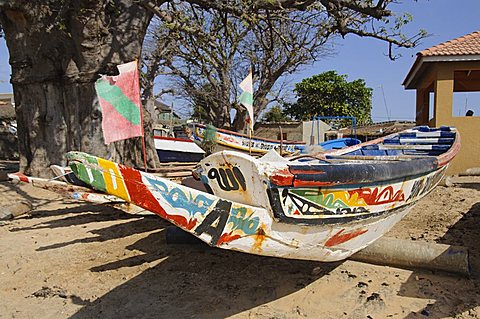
point(340, 238)
point(282, 177)
point(22, 177)
point(374, 196)
point(227, 237)
point(445, 158)
point(141, 196)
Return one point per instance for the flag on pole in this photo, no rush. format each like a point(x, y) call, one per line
point(119, 98)
point(246, 98)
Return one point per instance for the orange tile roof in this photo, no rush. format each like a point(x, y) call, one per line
point(466, 45)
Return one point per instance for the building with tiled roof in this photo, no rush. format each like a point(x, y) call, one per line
point(465, 48)
point(446, 68)
point(467, 45)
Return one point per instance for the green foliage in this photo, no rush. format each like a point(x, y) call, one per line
point(329, 94)
point(275, 115)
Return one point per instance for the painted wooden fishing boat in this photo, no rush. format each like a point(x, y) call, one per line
point(172, 149)
point(228, 140)
point(324, 207)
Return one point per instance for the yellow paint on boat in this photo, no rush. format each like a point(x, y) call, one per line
point(113, 179)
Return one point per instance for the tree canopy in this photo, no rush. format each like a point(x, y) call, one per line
point(330, 94)
point(275, 115)
point(58, 48)
point(215, 48)
point(214, 53)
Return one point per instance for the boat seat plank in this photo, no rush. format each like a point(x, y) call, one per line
point(415, 134)
point(442, 147)
point(425, 128)
point(398, 140)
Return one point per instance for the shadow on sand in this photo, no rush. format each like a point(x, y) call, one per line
point(435, 285)
point(189, 277)
point(185, 281)
point(198, 282)
point(194, 281)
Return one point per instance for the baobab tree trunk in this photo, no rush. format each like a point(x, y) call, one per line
point(57, 52)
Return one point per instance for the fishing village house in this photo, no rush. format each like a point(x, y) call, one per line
point(165, 114)
point(438, 74)
point(310, 132)
point(167, 122)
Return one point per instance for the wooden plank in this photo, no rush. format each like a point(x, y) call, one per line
point(174, 174)
point(413, 147)
point(178, 164)
point(172, 169)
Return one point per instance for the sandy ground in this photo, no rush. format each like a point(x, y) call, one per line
point(71, 260)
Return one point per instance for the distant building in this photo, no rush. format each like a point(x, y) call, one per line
point(371, 131)
point(165, 114)
point(310, 132)
point(314, 132)
point(279, 131)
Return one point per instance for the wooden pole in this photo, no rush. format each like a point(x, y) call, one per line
point(250, 141)
point(416, 254)
point(144, 148)
point(281, 140)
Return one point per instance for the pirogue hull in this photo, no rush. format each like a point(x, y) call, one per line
point(323, 208)
point(233, 141)
point(170, 149)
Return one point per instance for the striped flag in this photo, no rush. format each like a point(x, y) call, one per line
point(246, 98)
point(119, 98)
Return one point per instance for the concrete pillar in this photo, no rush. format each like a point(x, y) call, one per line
point(443, 101)
point(422, 107)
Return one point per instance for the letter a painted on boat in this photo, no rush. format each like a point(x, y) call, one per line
point(215, 222)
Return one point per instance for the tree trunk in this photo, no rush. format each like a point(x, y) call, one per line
point(57, 52)
point(239, 124)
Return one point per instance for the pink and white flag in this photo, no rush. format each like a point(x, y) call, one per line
point(119, 98)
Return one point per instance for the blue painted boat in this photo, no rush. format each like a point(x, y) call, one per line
point(339, 143)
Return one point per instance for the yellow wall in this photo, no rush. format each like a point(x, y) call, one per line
point(468, 126)
point(469, 155)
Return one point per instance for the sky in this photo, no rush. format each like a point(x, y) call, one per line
point(363, 58)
